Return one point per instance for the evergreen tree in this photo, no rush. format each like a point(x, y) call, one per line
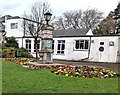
point(11, 42)
point(106, 26)
point(117, 17)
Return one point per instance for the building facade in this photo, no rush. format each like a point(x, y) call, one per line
point(72, 44)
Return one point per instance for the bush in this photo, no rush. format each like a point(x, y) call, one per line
point(11, 42)
point(8, 53)
point(25, 53)
point(12, 52)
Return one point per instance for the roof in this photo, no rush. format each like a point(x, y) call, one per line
point(70, 33)
point(2, 27)
point(3, 18)
point(15, 17)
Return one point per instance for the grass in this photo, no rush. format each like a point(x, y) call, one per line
point(16, 79)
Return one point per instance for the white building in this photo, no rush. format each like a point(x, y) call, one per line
point(74, 45)
point(70, 44)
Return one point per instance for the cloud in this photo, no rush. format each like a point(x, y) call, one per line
point(6, 6)
point(13, 7)
point(17, 7)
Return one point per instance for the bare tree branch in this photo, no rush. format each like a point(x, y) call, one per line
point(79, 19)
point(33, 22)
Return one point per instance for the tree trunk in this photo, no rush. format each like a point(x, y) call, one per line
point(36, 48)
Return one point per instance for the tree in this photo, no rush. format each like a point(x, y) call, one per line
point(34, 21)
point(107, 25)
point(117, 17)
point(11, 42)
point(78, 19)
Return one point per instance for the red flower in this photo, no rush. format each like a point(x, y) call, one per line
point(55, 71)
point(61, 73)
point(89, 76)
point(99, 69)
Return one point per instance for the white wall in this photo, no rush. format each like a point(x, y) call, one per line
point(18, 32)
point(70, 53)
point(19, 40)
point(110, 52)
point(118, 52)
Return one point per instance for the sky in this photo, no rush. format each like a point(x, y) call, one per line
point(18, 7)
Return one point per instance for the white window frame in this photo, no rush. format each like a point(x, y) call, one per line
point(61, 50)
point(82, 44)
point(14, 25)
point(28, 45)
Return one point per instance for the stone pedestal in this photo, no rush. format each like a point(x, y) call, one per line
point(46, 53)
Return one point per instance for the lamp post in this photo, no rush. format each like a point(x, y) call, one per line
point(46, 39)
point(47, 17)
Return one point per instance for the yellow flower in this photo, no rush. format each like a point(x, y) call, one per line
point(66, 74)
point(101, 73)
point(59, 70)
point(107, 70)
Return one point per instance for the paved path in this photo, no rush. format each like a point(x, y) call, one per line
point(111, 66)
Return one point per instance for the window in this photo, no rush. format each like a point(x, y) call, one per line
point(101, 43)
point(53, 45)
point(28, 45)
point(61, 47)
point(14, 25)
point(38, 45)
point(81, 44)
point(47, 44)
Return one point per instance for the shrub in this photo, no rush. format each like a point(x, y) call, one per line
point(26, 54)
point(11, 42)
point(8, 53)
point(12, 52)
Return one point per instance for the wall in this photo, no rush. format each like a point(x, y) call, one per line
point(18, 32)
point(110, 52)
point(70, 53)
point(118, 52)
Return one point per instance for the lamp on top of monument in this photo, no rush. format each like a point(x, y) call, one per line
point(47, 16)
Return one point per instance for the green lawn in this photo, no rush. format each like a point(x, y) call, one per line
point(16, 79)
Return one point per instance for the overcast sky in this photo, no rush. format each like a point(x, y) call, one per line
point(17, 7)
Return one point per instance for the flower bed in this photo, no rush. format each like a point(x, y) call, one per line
point(78, 71)
point(84, 71)
point(68, 70)
point(20, 61)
